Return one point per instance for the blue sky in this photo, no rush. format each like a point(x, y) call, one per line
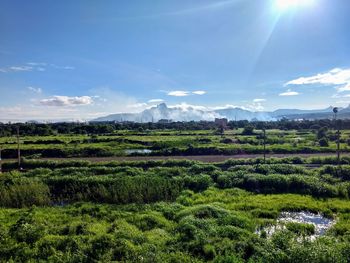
point(82, 59)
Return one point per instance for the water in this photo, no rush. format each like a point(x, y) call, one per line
point(321, 223)
point(141, 151)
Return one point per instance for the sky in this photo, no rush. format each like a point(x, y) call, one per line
point(84, 59)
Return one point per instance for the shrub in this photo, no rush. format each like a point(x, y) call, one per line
point(248, 130)
point(22, 192)
point(323, 142)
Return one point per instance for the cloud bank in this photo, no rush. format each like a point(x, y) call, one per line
point(336, 77)
point(33, 66)
point(199, 92)
point(184, 93)
point(289, 92)
point(61, 101)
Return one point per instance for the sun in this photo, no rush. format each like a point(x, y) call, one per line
point(284, 5)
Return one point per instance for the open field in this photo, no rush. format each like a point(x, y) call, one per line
point(169, 196)
point(169, 142)
point(200, 158)
point(172, 211)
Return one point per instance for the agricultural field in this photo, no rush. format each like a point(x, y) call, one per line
point(175, 211)
point(171, 142)
point(286, 209)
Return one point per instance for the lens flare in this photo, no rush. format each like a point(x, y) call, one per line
point(284, 5)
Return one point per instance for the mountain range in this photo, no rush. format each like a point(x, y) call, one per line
point(190, 113)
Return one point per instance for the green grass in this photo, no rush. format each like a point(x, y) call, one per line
point(169, 142)
point(212, 225)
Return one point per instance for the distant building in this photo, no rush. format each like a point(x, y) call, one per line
point(221, 122)
point(165, 121)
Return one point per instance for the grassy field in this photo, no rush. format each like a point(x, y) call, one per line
point(71, 210)
point(172, 211)
point(214, 225)
point(171, 142)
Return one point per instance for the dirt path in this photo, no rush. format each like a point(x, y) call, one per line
point(202, 158)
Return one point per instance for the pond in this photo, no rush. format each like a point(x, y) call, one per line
point(320, 223)
point(140, 151)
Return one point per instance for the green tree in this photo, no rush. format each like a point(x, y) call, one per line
point(248, 130)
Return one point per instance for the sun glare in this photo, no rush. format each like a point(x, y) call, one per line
point(284, 5)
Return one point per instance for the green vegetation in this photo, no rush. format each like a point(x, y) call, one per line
point(214, 225)
point(172, 210)
point(77, 140)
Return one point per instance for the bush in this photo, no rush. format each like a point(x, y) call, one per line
point(22, 192)
point(248, 130)
point(323, 142)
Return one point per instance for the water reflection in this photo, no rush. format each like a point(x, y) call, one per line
point(320, 223)
point(140, 151)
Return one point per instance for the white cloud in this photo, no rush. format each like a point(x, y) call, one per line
point(155, 101)
point(141, 105)
point(199, 92)
point(339, 95)
point(31, 112)
point(35, 90)
point(184, 93)
point(21, 68)
point(185, 107)
point(178, 93)
point(336, 77)
point(289, 92)
point(344, 102)
point(62, 67)
point(344, 88)
point(37, 63)
point(259, 100)
point(33, 66)
point(61, 101)
point(16, 69)
point(227, 106)
point(255, 106)
point(101, 101)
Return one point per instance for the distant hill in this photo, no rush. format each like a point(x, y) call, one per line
point(162, 111)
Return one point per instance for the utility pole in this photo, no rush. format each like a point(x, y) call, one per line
point(335, 110)
point(0, 160)
point(18, 150)
point(264, 130)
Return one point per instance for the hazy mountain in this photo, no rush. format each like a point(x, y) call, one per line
point(286, 112)
point(188, 113)
point(162, 111)
point(242, 114)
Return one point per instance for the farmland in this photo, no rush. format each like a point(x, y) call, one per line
point(71, 210)
point(168, 141)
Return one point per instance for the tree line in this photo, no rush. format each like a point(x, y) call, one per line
point(8, 129)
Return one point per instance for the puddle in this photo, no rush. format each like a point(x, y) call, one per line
point(321, 223)
point(141, 151)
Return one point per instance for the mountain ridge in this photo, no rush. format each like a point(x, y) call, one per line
point(192, 113)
